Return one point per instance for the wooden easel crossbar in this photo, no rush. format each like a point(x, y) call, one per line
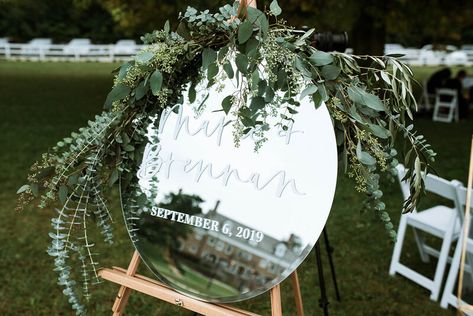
point(129, 280)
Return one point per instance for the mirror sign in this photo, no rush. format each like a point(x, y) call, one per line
point(226, 222)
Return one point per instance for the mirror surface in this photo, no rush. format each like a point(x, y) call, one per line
point(221, 222)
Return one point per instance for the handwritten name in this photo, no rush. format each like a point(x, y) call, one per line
point(205, 128)
point(154, 162)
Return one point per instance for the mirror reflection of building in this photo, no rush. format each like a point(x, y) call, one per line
point(244, 264)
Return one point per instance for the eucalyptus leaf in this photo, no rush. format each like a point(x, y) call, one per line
point(144, 57)
point(45, 173)
point(156, 81)
point(355, 115)
point(317, 99)
point(379, 131)
point(62, 194)
point(208, 56)
point(364, 157)
point(124, 70)
point(222, 52)
point(128, 148)
point(72, 180)
point(330, 72)
point(301, 40)
point(141, 90)
point(119, 91)
point(262, 85)
point(244, 32)
point(374, 102)
point(229, 70)
point(183, 30)
point(311, 89)
point(192, 94)
point(385, 77)
point(212, 71)
point(275, 8)
point(167, 26)
point(23, 188)
point(257, 103)
point(360, 96)
point(227, 103)
point(34, 189)
point(242, 63)
point(320, 58)
point(282, 79)
point(268, 95)
point(113, 178)
point(301, 66)
point(291, 110)
point(263, 24)
point(252, 46)
point(323, 92)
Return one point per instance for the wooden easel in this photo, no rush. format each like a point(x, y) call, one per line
point(462, 307)
point(129, 280)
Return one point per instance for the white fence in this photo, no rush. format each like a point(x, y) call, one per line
point(427, 56)
point(109, 53)
point(54, 52)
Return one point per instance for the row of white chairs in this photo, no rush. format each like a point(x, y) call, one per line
point(440, 221)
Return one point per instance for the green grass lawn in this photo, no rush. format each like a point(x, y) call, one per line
point(43, 102)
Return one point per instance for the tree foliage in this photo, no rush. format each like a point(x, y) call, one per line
point(22, 20)
point(370, 23)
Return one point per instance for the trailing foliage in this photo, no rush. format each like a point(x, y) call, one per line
point(369, 99)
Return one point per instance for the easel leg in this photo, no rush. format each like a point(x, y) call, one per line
point(323, 302)
point(124, 292)
point(297, 293)
point(276, 306)
point(332, 266)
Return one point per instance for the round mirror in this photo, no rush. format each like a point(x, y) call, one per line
point(216, 219)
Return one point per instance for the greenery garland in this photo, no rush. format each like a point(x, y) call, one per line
point(369, 99)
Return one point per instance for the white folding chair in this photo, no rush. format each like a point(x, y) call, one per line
point(449, 297)
point(440, 221)
point(446, 106)
point(427, 98)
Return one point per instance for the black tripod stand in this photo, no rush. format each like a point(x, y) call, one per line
point(323, 301)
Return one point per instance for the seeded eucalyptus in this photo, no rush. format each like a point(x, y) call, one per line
point(369, 99)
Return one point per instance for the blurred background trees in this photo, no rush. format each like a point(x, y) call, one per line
point(370, 23)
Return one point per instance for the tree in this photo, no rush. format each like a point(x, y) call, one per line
point(370, 23)
point(429, 22)
point(22, 20)
point(134, 18)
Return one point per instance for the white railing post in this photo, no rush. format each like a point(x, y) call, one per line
point(7, 51)
point(41, 53)
point(111, 52)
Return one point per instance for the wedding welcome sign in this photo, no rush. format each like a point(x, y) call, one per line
point(220, 220)
point(224, 188)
